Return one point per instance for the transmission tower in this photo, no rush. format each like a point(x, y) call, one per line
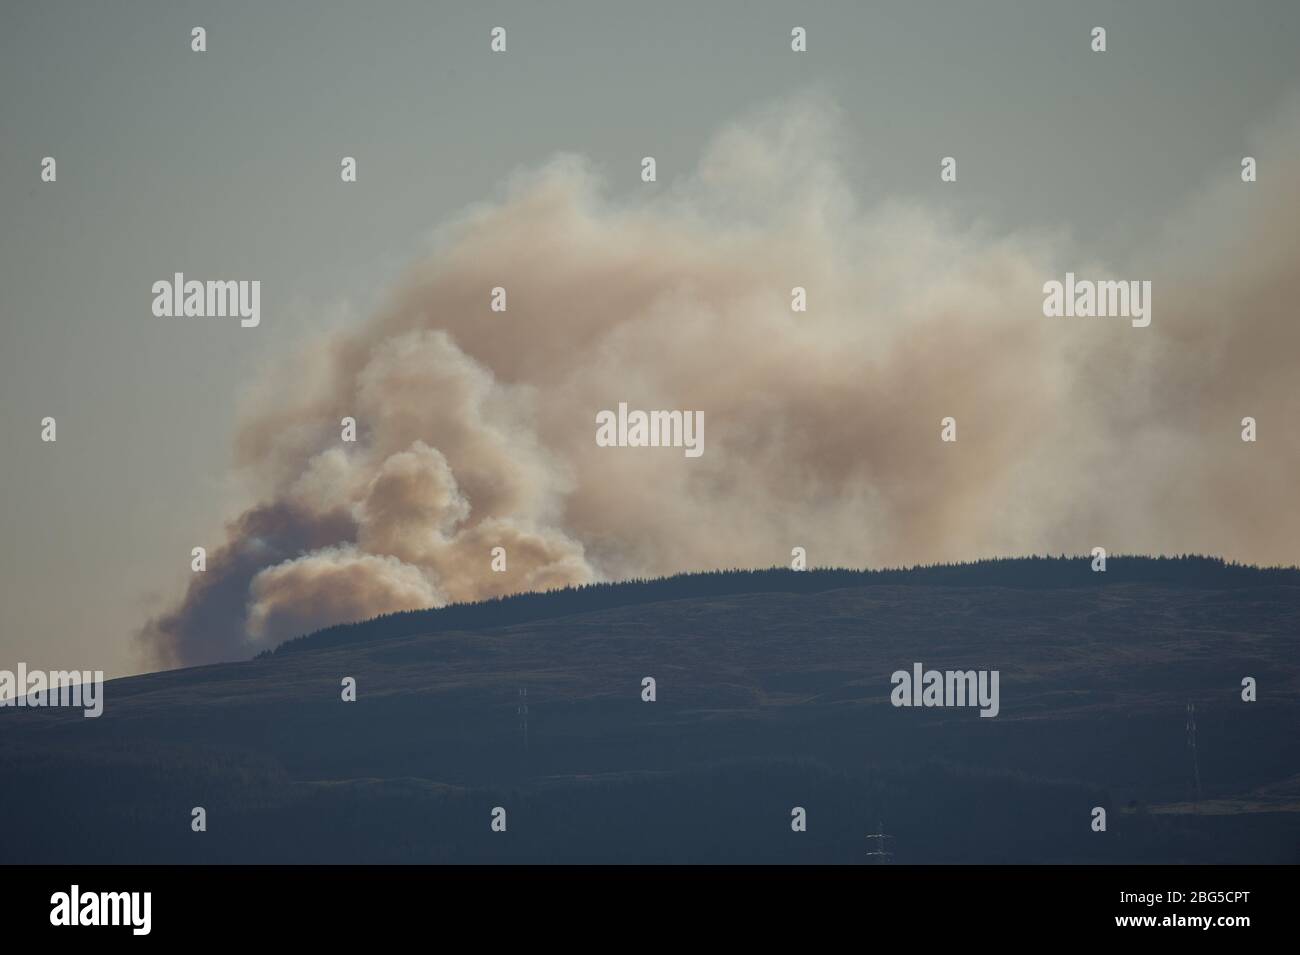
point(879, 844)
point(522, 710)
point(1191, 743)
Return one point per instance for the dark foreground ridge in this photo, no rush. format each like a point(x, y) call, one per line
point(772, 694)
point(1184, 571)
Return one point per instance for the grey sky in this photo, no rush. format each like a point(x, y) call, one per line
point(225, 164)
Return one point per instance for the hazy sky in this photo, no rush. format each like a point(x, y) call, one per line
point(225, 164)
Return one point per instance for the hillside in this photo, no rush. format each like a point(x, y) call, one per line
point(773, 691)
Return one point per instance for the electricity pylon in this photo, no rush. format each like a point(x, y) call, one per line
point(879, 843)
point(1191, 743)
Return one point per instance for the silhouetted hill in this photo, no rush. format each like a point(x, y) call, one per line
point(773, 692)
point(1185, 571)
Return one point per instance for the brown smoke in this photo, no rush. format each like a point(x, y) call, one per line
point(476, 428)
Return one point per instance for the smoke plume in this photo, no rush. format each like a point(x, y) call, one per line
point(475, 428)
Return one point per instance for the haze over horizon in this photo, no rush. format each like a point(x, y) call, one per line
point(475, 428)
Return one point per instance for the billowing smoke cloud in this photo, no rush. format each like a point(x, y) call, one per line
point(476, 428)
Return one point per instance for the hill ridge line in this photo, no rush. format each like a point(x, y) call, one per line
point(1034, 572)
